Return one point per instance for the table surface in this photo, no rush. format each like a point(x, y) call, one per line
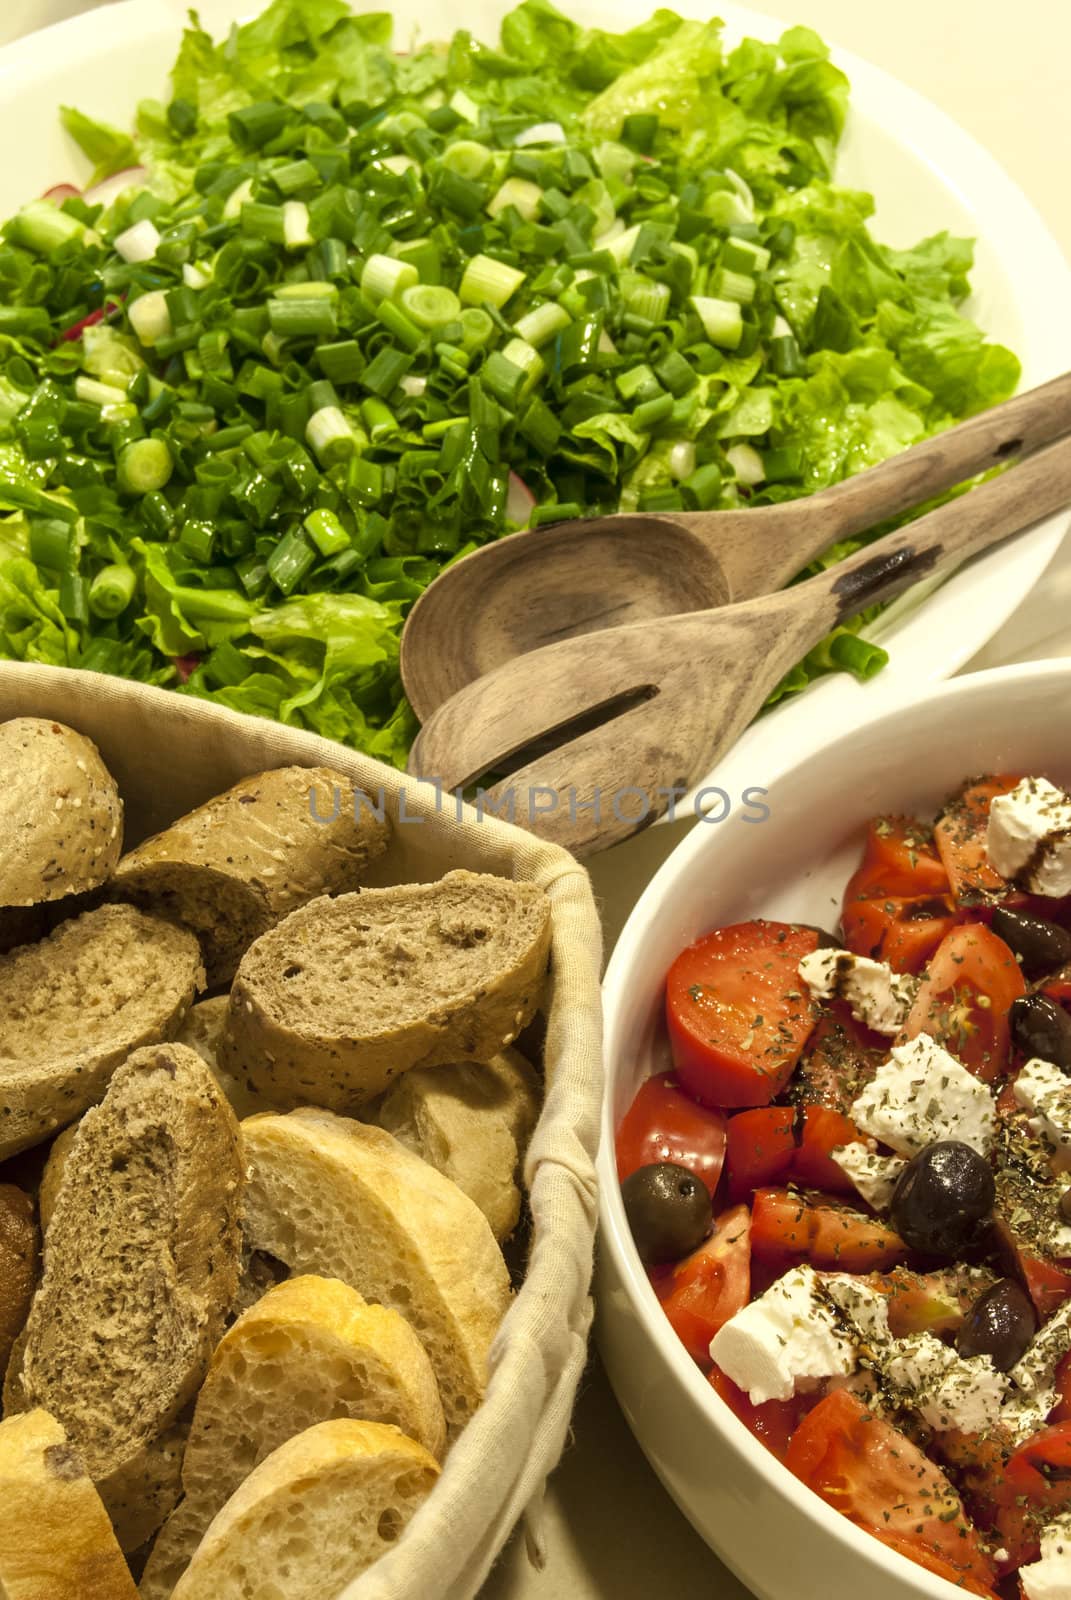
point(1012, 98)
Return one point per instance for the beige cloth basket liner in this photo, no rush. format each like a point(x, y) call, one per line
point(170, 752)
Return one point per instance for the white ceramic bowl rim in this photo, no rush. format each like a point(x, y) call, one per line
point(615, 1236)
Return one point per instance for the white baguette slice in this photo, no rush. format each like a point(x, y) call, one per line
point(346, 994)
point(310, 1351)
point(74, 1006)
point(61, 818)
point(329, 1195)
point(234, 867)
point(142, 1247)
point(313, 1516)
point(201, 1030)
point(473, 1122)
point(56, 1542)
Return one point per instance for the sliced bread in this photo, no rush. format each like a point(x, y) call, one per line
point(146, 1489)
point(311, 1350)
point(345, 995)
point(56, 1542)
point(313, 1516)
point(201, 1030)
point(52, 1176)
point(331, 1196)
point(141, 1262)
point(234, 867)
point(61, 818)
point(74, 1006)
point(19, 1253)
point(473, 1122)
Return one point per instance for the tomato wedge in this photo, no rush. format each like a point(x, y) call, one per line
point(1061, 1412)
point(738, 1013)
point(899, 862)
point(841, 1059)
point(701, 1293)
point(788, 1228)
point(960, 834)
point(925, 1302)
point(903, 933)
point(761, 1149)
point(774, 1422)
point(964, 998)
point(1037, 1485)
point(665, 1124)
point(824, 1130)
point(878, 1478)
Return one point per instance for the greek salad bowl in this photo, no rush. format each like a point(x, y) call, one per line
point(909, 1319)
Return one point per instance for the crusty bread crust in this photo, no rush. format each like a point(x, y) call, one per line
point(317, 1513)
point(61, 818)
point(332, 1196)
point(19, 1250)
point(56, 1542)
point(143, 1240)
point(234, 867)
point(312, 1349)
point(202, 1028)
point(74, 1006)
point(344, 995)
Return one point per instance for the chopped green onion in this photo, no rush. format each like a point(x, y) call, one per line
point(326, 532)
point(138, 243)
point(701, 489)
point(652, 412)
point(342, 362)
point(93, 393)
point(296, 235)
point(111, 591)
point(291, 561)
point(385, 277)
point(744, 255)
point(525, 198)
point(721, 319)
point(682, 460)
point(254, 126)
point(43, 227)
point(467, 158)
point(746, 464)
point(237, 198)
point(144, 466)
point(488, 281)
point(477, 328)
point(531, 363)
point(430, 305)
point(150, 318)
point(734, 286)
point(542, 323)
point(330, 435)
point(302, 319)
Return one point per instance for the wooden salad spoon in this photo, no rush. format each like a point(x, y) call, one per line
point(571, 578)
point(623, 718)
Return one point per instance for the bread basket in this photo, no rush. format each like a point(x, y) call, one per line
point(170, 752)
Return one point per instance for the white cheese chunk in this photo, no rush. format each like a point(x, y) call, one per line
point(1034, 1376)
point(879, 997)
point(1044, 1090)
point(1050, 1578)
point(864, 1310)
point(875, 1176)
point(788, 1336)
point(923, 1094)
point(943, 1388)
point(1028, 838)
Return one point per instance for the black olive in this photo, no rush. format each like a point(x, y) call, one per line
point(668, 1210)
point(1064, 1205)
point(1041, 946)
point(940, 1198)
point(1042, 1028)
point(1000, 1324)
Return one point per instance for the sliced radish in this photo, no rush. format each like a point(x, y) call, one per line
point(78, 328)
point(519, 501)
point(60, 192)
point(103, 193)
point(186, 666)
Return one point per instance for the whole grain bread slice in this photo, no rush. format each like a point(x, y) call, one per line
point(313, 1516)
point(311, 1350)
point(331, 1196)
point(141, 1262)
point(56, 1542)
point(346, 994)
point(74, 1006)
point(19, 1258)
point(202, 1029)
point(236, 866)
point(61, 818)
point(472, 1121)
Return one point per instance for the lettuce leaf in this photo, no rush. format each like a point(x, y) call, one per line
point(109, 150)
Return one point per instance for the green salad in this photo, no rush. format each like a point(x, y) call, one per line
point(350, 312)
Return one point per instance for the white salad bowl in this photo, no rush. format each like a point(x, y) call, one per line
point(781, 1540)
point(925, 172)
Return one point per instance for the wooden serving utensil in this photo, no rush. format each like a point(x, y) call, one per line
point(573, 578)
point(649, 707)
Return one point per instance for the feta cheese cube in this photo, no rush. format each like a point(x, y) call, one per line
point(1028, 838)
point(1034, 1377)
point(878, 996)
point(1043, 1089)
point(874, 1176)
point(787, 1337)
point(865, 1310)
point(923, 1094)
point(946, 1390)
point(1050, 1578)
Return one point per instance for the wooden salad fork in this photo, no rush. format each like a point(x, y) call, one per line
point(572, 578)
point(649, 707)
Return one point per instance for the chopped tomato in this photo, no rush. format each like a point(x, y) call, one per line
point(1037, 1485)
point(824, 1130)
point(1047, 1284)
point(774, 1422)
point(925, 1302)
point(899, 861)
point(1061, 1412)
point(1059, 989)
point(761, 1149)
point(964, 998)
point(789, 1228)
point(903, 933)
point(665, 1124)
point(878, 1478)
point(840, 1061)
point(960, 833)
point(701, 1293)
point(929, 1559)
point(738, 1013)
